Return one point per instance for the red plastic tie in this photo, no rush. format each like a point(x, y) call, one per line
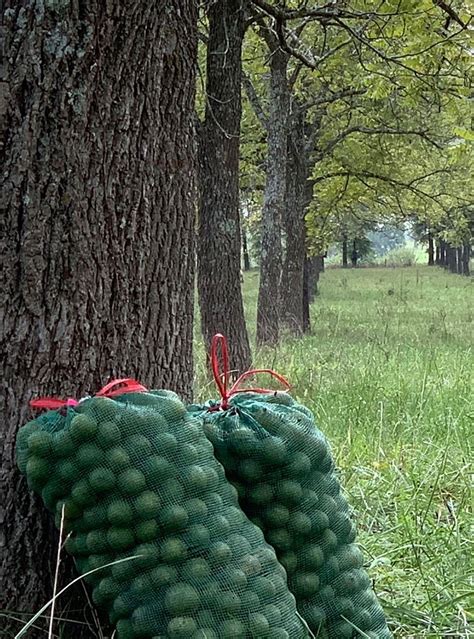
point(222, 378)
point(112, 389)
point(121, 386)
point(51, 403)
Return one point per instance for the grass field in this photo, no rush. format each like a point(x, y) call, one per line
point(388, 371)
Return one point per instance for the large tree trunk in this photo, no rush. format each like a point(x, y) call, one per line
point(292, 312)
point(344, 252)
point(451, 258)
point(466, 256)
point(219, 243)
point(98, 210)
point(274, 203)
point(430, 250)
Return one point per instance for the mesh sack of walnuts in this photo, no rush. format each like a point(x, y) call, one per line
point(135, 477)
point(283, 470)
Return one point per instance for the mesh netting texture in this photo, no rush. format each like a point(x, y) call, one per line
point(136, 477)
point(283, 470)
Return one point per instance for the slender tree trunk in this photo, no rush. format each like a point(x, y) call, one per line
point(438, 254)
point(430, 250)
point(245, 251)
point(443, 253)
point(219, 242)
point(274, 203)
point(97, 187)
point(344, 252)
point(306, 298)
point(293, 315)
point(309, 268)
point(466, 256)
point(354, 256)
point(459, 256)
point(451, 256)
point(314, 265)
point(319, 266)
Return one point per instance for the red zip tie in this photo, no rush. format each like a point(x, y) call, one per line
point(222, 378)
point(112, 389)
point(121, 386)
point(51, 403)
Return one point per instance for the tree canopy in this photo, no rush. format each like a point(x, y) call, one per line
point(385, 93)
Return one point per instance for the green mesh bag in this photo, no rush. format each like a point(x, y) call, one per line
point(136, 478)
point(282, 468)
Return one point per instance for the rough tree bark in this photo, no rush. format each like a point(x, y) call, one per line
point(344, 252)
point(466, 256)
point(292, 312)
point(431, 260)
point(97, 154)
point(274, 202)
point(219, 241)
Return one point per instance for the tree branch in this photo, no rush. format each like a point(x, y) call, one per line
point(254, 100)
point(450, 11)
point(306, 58)
point(332, 51)
point(327, 99)
point(324, 12)
point(375, 131)
point(361, 176)
point(310, 143)
point(294, 75)
point(265, 32)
